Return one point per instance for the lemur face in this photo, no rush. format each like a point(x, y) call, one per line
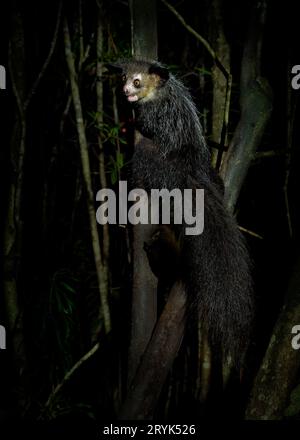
point(133, 86)
point(139, 86)
point(142, 84)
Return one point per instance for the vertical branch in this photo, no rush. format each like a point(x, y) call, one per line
point(157, 359)
point(256, 107)
point(101, 274)
point(143, 28)
point(291, 112)
point(80, 30)
point(14, 219)
point(223, 70)
point(13, 234)
point(116, 116)
point(279, 370)
point(220, 108)
point(205, 368)
point(47, 60)
point(144, 289)
point(99, 92)
point(13, 229)
point(144, 299)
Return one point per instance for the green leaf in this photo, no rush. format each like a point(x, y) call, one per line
point(203, 71)
point(67, 287)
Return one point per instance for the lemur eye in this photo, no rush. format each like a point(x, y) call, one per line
point(136, 83)
point(123, 78)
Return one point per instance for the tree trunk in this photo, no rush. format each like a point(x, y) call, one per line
point(222, 50)
point(143, 28)
point(280, 367)
point(144, 292)
point(256, 107)
point(157, 359)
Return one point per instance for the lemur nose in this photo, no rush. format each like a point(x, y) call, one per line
point(126, 90)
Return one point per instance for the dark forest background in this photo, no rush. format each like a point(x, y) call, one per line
point(65, 294)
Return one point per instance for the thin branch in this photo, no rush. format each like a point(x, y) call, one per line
point(69, 99)
point(99, 93)
point(70, 373)
point(101, 273)
point(191, 30)
point(269, 154)
point(88, 49)
point(116, 119)
point(247, 231)
point(81, 42)
point(13, 234)
point(226, 120)
point(222, 68)
point(48, 59)
point(99, 118)
point(199, 37)
point(111, 43)
point(205, 367)
point(13, 84)
point(65, 114)
point(291, 113)
point(286, 199)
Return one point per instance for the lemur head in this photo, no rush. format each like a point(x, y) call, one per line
point(141, 79)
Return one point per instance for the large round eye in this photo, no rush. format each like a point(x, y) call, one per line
point(136, 83)
point(123, 78)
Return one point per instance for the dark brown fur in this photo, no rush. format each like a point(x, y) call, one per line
point(171, 153)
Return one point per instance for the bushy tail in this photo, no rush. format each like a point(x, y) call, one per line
point(218, 271)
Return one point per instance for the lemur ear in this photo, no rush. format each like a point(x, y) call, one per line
point(114, 67)
point(160, 71)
